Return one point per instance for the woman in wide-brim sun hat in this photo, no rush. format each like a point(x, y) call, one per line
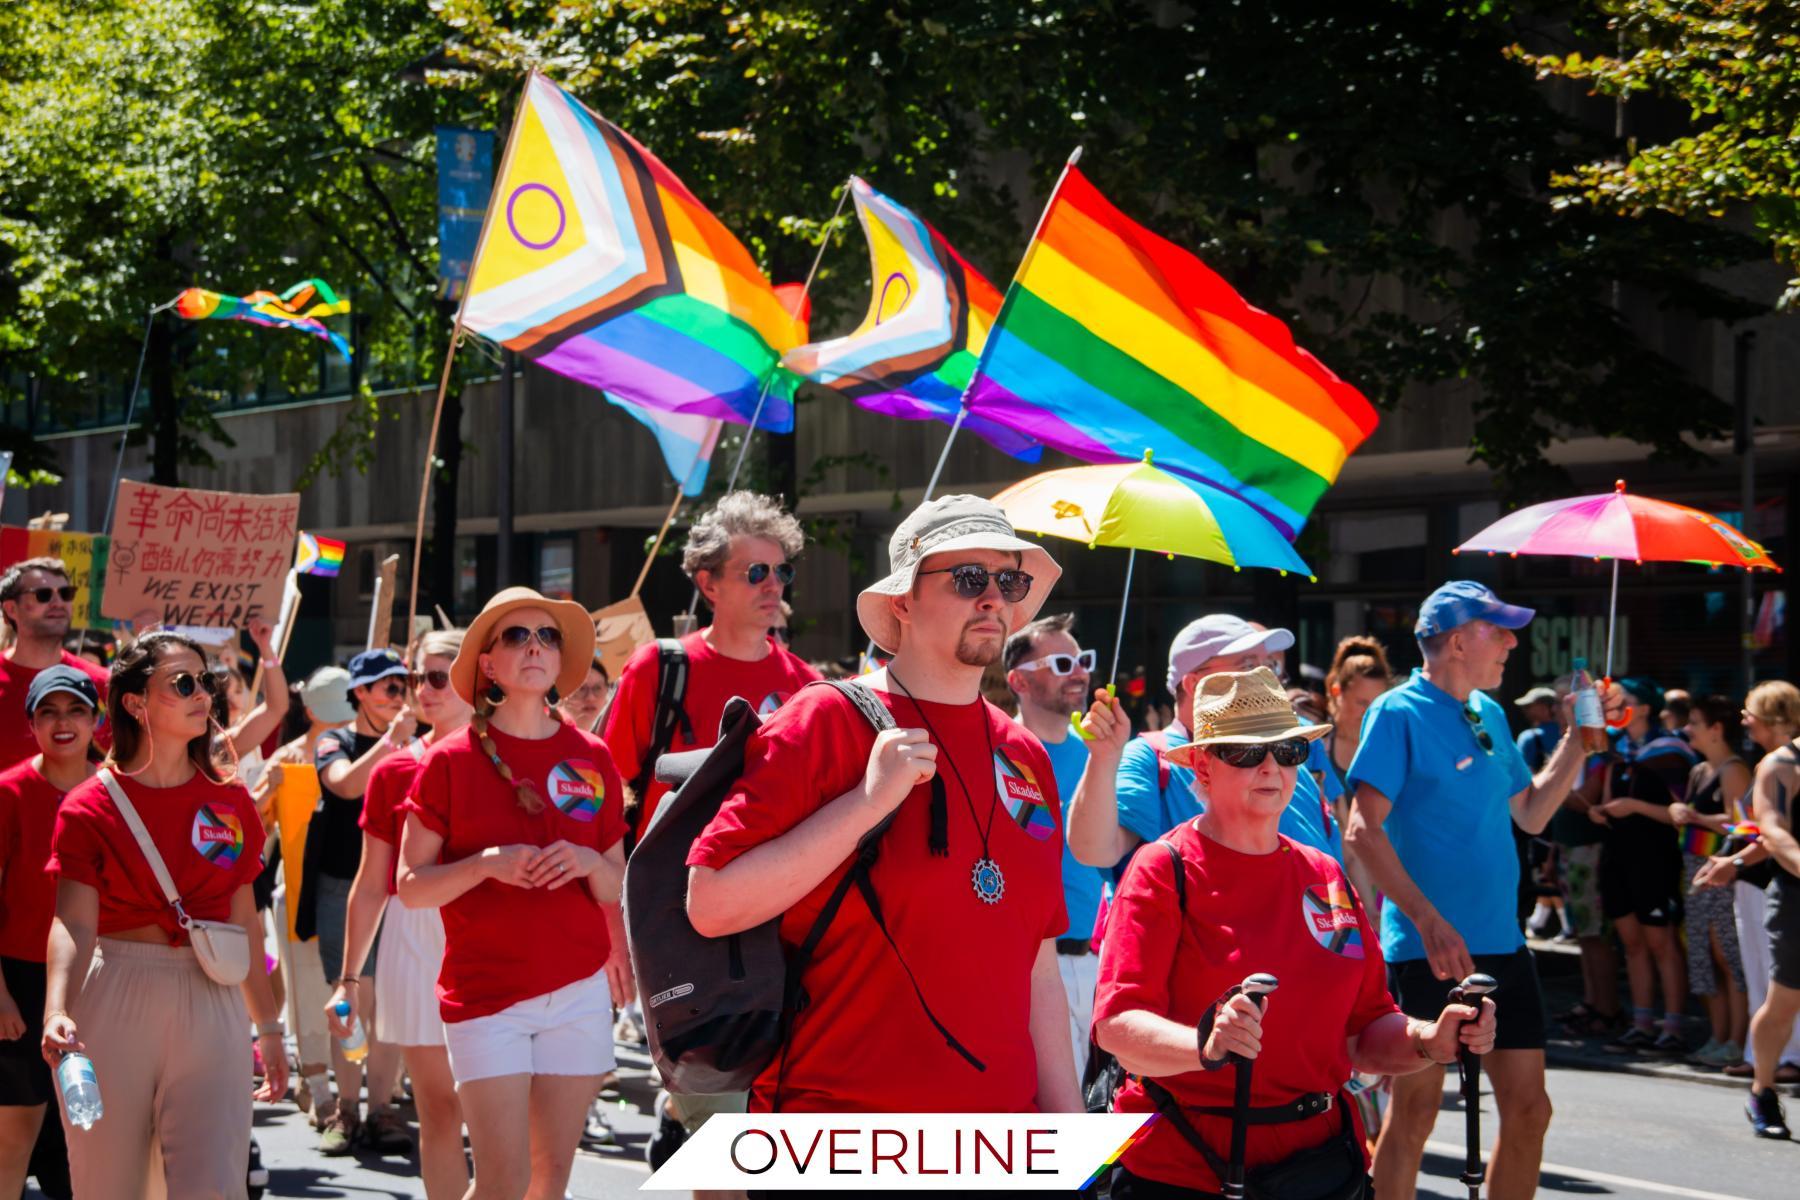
point(512, 830)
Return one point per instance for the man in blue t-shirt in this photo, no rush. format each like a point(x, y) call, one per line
point(1437, 784)
point(1142, 797)
point(1049, 672)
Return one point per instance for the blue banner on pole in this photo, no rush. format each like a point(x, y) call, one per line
point(465, 162)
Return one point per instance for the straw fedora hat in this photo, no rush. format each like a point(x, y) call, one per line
point(941, 526)
point(577, 634)
point(1242, 706)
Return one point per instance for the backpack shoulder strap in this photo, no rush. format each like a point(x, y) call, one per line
point(872, 709)
point(1158, 741)
point(1180, 873)
point(671, 689)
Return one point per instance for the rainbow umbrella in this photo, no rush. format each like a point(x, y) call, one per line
point(1619, 525)
point(1140, 506)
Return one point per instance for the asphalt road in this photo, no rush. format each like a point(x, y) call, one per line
point(1613, 1136)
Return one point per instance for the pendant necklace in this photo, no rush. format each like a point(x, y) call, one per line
point(986, 878)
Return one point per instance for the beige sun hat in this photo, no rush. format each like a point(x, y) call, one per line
point(1242, 706)
point(941, 526)
point(577, 634)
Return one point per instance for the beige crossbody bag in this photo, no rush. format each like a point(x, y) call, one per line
point(222, 947)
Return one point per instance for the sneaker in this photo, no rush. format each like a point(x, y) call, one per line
point(1539, 923)
point(1668, 1045)
point(668, 1136)
point(335, 1141)
point(257, 1178)
point(385, 1133)
point(1766, 1117)
point(599, 1130)
point(1632, 1041)
point(629, 1030)
point(1712, 1054)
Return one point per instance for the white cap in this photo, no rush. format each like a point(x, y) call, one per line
point(1214, 636)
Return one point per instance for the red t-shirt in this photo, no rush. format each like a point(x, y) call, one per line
point(16, 740)
point(28, 804)
point(384, 800)
point(713, 679)
point(1292, 914)
point(504, 944)
point(863, 1043)
point(208, 834)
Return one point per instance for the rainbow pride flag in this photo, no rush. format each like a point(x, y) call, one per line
point(300, 307)
point(928, 319)
point(319, 556)
point(84, 554)
point(1113, 341)
point(597, 263)
point(686, 442)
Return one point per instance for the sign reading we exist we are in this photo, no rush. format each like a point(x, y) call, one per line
point(184, 556)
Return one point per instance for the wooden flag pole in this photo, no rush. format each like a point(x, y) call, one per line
point(456, 332)
point(657, 544)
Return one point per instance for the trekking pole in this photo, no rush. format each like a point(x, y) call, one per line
point(1468, 1064)
point(1256, 987)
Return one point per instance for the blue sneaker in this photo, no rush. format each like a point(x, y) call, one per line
point(1766, 1117)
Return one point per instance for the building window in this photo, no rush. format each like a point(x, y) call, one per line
point(556, 568)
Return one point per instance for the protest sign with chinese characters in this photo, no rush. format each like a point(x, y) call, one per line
point(181, 556)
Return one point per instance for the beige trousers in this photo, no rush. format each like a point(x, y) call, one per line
point(171, 1053)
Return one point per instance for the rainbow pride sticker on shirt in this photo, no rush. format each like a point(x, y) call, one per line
point(577, 789)
point(1023, 798)
point(770, 703)
point(1330, 916)
point(218, 836)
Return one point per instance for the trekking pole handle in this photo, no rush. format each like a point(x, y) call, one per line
point(1472, 989)
point(1256, 987)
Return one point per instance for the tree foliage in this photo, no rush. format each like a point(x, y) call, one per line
point(1735, 65)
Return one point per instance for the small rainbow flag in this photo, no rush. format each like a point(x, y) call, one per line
point(300, 307)
point(1113, 341)
point(319, 556)
point(928, 319)
point(1701, 841)
point(597, 262)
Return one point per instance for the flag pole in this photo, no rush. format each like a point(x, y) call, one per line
point(456, 331)
point(657, 544)
point(768, 379)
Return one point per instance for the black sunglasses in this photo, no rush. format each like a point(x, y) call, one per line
point(757, 572)
point(1482, 738)
point(184, 683)
point(1288, 753)
point(514, 637)
point(420, 680)
point(971, 580)
point(42, 595)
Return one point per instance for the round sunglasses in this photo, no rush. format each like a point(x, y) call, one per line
point(517, 637)
point(185, 683)
point(1060, 664)
point(755, 573)
point(1290, 752)
point(971, 580)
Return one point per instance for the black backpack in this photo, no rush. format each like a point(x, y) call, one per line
point(717, 1010)
point(671, 689)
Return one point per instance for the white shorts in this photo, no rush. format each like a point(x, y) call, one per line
point(407, 962)
point(564, 1032)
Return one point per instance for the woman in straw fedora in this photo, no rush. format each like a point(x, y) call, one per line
point(512, 829)
point(1250, 900)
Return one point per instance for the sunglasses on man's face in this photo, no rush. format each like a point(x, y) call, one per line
point(517, 637)
point(971, 580)
point(1060, 664)
point(185, 682)
point(1482, 737)
point(1290, 752)
point(420, 680)
point(43, 595)
point(755, 573)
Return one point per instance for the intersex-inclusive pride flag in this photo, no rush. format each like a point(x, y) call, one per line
point(596, 262)
point(929, 316)
point(1113, 341)
point(318, 555)
point(686, 442)
point(300, 307)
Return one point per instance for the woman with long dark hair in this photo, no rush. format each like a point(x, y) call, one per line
point(1703, 822)
point(125, 984)
point(513, 830)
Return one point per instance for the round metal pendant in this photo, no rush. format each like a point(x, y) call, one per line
point(987, 880)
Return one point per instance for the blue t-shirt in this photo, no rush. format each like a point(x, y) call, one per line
point(1451, 820)
point(1538, 743)
point(1325, 773)
point(1149, 808)
point(1081, 884)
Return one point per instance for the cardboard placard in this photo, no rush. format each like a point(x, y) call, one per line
point(183, 556)
point(618, 630)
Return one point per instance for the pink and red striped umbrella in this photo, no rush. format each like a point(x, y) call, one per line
point(1619, 525)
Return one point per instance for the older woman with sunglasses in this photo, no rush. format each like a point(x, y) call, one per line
point(1249, 900)
point(125, 986)
point(512, 829)
point(403, 1010)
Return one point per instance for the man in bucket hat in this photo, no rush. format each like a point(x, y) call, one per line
point(968, 877)
point(1438, 783)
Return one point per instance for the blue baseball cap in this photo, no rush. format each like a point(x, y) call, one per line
point(1463, 600)
point(371, 665)
point(62, 678)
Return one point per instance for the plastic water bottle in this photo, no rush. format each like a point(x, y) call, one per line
point(356, 1046)
point(80, 1090)
point(1590, 717)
